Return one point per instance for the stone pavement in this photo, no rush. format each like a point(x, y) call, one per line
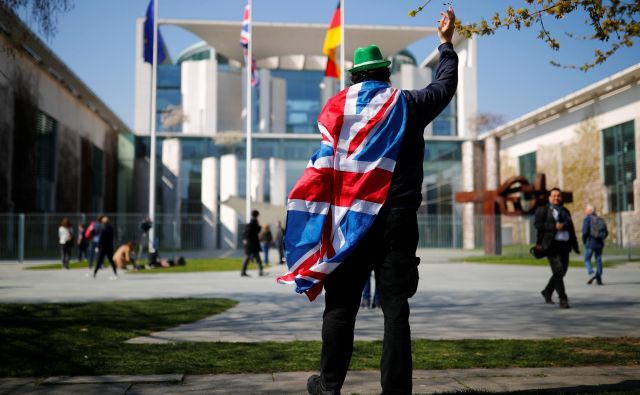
point(587, 379)
point(454, 301)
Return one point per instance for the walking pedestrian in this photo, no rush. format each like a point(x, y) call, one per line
point(251, 244)
point(556, 235)
point(65, 238)
point(594, 231)
point(92, 233)
point(105, 247)
point(266, 238)
point(82, 243)
point(279, 240)
point(145, 227)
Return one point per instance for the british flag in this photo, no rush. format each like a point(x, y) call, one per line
point(245, 38)
point(334, 203)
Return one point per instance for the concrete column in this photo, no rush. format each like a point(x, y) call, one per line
point(468, 230)
point(328, 88)
point(258, 170)
point(264, 121)
point(278, 105)
point(209, 198)
point(492, 162)
point(142, 102)
point(171, 193)
point(199, 95)
point(228, 176)
point(228, 188)
point(636, 182)
point(278, 181)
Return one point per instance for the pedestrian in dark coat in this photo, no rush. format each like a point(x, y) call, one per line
point(105, 248)
point(557, 236)
point(251, 243)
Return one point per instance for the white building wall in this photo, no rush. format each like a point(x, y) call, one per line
point(605, 112)
point(172, 190)
point(209, 198)
point(467, 94)
point(278, 105)
point(277, 181)
point(264, 121)
point(142, 103)
point(199, 95)
point(229, 103)
point(228, 187)
point(258, 172)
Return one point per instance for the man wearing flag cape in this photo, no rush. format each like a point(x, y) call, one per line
point(354, 209)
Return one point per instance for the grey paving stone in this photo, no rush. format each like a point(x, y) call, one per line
point(109, 379)
point(71, 389)
point(11, 385)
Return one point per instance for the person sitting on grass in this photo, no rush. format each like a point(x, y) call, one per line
point(124, 256)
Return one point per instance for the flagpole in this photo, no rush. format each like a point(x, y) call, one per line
point(342, 69)
point(152, 148)
point(249, 65)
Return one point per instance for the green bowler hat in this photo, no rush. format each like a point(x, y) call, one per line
point(368, 58)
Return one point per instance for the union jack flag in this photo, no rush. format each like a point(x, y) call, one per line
point(245, 38)
point(334, 203)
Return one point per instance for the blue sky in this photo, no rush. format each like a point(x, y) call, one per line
point(96, 40)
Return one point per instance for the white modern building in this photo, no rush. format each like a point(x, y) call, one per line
point(201, 122)
point(588, 143)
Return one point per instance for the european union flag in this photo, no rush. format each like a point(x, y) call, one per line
point(148, 38)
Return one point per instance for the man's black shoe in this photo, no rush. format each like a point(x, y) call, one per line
point(244, 275)
point(599, 281)
point(314, 387)
point(564, 304)
point(547, 297)
point(591, 279)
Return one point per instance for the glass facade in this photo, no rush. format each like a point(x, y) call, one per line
point(46, 161)
point(303, 99)
point(619, 161)
point(446, 124)
point(527, 166)
point(442, 169)
point(168, 95)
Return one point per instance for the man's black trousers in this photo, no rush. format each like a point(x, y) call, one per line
point(558, 257)
point(389, 249)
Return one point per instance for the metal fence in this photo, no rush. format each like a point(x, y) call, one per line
point(35, 236)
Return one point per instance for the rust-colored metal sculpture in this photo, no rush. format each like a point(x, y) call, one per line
point(515, 197)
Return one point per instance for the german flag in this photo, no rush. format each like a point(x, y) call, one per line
point(331, 41)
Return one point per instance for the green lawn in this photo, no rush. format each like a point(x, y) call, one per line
point(193, 265)
point(88, 339)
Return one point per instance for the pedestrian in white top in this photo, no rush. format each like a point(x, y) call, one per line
point(65, 239)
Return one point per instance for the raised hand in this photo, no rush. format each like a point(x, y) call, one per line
point(446, 25)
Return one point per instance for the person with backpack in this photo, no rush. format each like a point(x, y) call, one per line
point(92, 234)
point(594, 231)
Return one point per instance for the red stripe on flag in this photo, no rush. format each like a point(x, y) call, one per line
point(332, 115)
point(313, 185)
point(362, 133)
point(371, 186)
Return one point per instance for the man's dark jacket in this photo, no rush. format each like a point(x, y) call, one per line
point(423, 105)
point(546, 226)
point(252, 245)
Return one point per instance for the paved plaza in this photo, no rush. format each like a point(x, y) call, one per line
point(454, 301)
